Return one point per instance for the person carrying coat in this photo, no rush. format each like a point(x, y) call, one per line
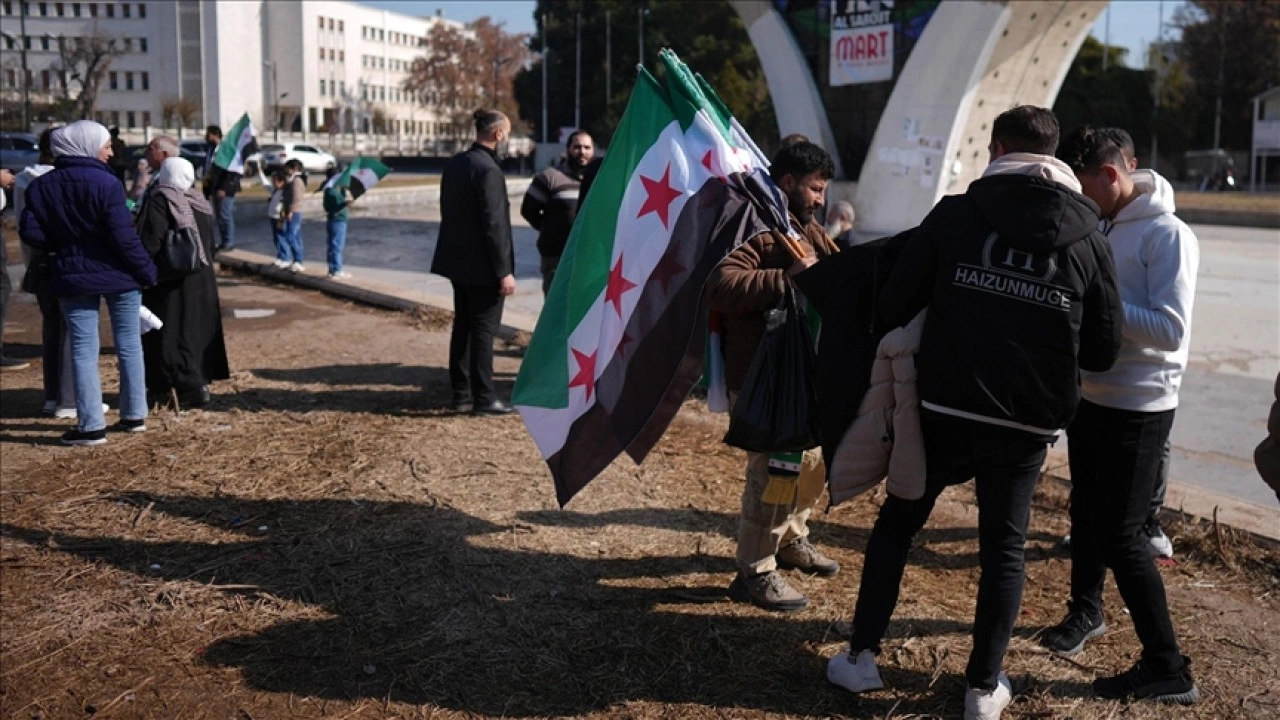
point(78, 212)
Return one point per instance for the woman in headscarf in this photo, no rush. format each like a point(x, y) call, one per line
point(188, 352)
point(78, 213)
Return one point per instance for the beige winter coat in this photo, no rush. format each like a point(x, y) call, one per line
point(885, 437)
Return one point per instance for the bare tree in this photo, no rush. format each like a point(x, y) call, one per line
point(81, 65)
point(466, 69)
point(180, 112)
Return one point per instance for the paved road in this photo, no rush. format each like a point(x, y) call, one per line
point(1235, 348)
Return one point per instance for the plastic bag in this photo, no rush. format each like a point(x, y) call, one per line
point(777, 408)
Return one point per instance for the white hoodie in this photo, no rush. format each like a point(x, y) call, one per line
point(1157, 258)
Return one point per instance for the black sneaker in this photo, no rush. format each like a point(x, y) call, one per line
point(133, 426)
point(1141, 683)
point(92, 437)
point(1069, 636)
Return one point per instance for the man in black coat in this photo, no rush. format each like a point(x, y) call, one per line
point(1021, 294)
point(474, 251)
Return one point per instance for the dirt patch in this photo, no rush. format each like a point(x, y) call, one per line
point(326, 540)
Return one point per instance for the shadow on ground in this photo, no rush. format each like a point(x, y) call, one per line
point(422, 611)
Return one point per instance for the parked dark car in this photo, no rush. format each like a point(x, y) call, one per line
point(18, 151)
point(193, 151)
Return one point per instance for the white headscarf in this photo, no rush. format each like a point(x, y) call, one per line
point(176, 172)
point(82, 138)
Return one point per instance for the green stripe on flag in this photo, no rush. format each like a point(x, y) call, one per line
point(231, 151)
point(584, 264)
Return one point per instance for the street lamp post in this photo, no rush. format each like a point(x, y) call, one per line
point(275, 89)
point(26, 75)
point(497, 63)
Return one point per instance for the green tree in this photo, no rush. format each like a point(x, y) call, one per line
point(707, 34)
point(1231, 49)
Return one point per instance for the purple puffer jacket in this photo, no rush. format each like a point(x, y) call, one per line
point(78, 211)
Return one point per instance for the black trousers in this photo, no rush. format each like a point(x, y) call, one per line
point(477, 314)
point(1006, 464)
point(51, 327)
point(1115, 458)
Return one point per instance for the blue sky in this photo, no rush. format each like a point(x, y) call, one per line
point(1134, 23)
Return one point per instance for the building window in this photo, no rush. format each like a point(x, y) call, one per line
point(321, 22)
point(142, 10)
point(332, 54)
point(146, 114)
point(44, 80)
point(322, 87)
point(75, 9)
point(44, 9)
point(330, 23)
point(128, 44)
point(129, 116)
point(381, 35)
point(44, 43)
point(142, 45)
point(146, 81)
point(341, 26)
point(321, 53)
point(342, 56)
point(113, 80)
point(93, 9)
point(11, 78)
point(124, 10)
point(128, 81)
point(6, 7)
point(111, 12)
point(59, 10)
point(342, 87)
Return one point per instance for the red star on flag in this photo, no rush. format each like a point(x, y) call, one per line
point(586, 376)
point(617, 286)
point(623, 343)
point(660, 196)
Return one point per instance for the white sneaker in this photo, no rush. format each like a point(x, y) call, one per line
point(296, 268)
point(282, 264)
point(340, 275)
point(69, 413)
point(988, 704)
point(1160, 544)
point(855, 674)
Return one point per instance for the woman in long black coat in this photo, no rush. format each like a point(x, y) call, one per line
point(188, 352)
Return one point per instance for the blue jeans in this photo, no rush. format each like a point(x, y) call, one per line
point(81, 314)
point(336, 230)
point(293, 238)
point(225, 210)
point(277, 236)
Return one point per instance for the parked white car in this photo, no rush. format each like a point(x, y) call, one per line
point(313, 159)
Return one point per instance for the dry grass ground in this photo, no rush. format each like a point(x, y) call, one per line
point(1229, 201)
point(326, 541)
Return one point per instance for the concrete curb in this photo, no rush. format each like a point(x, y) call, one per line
point(361, 290)
point(1196, 501)
point(1237, 218)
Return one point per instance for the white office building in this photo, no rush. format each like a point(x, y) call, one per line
point(313, 67)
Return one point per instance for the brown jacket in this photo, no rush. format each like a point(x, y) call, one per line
point(747, 283)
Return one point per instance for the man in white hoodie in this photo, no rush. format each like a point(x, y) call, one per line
point(1118, 435)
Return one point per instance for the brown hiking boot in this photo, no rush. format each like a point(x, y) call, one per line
point(768, 591)
point(803, 556)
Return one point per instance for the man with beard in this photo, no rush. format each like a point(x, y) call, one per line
point(776, 502)
point(551, 202)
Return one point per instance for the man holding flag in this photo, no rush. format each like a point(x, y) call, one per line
point(776, 502)
point(224, 164)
